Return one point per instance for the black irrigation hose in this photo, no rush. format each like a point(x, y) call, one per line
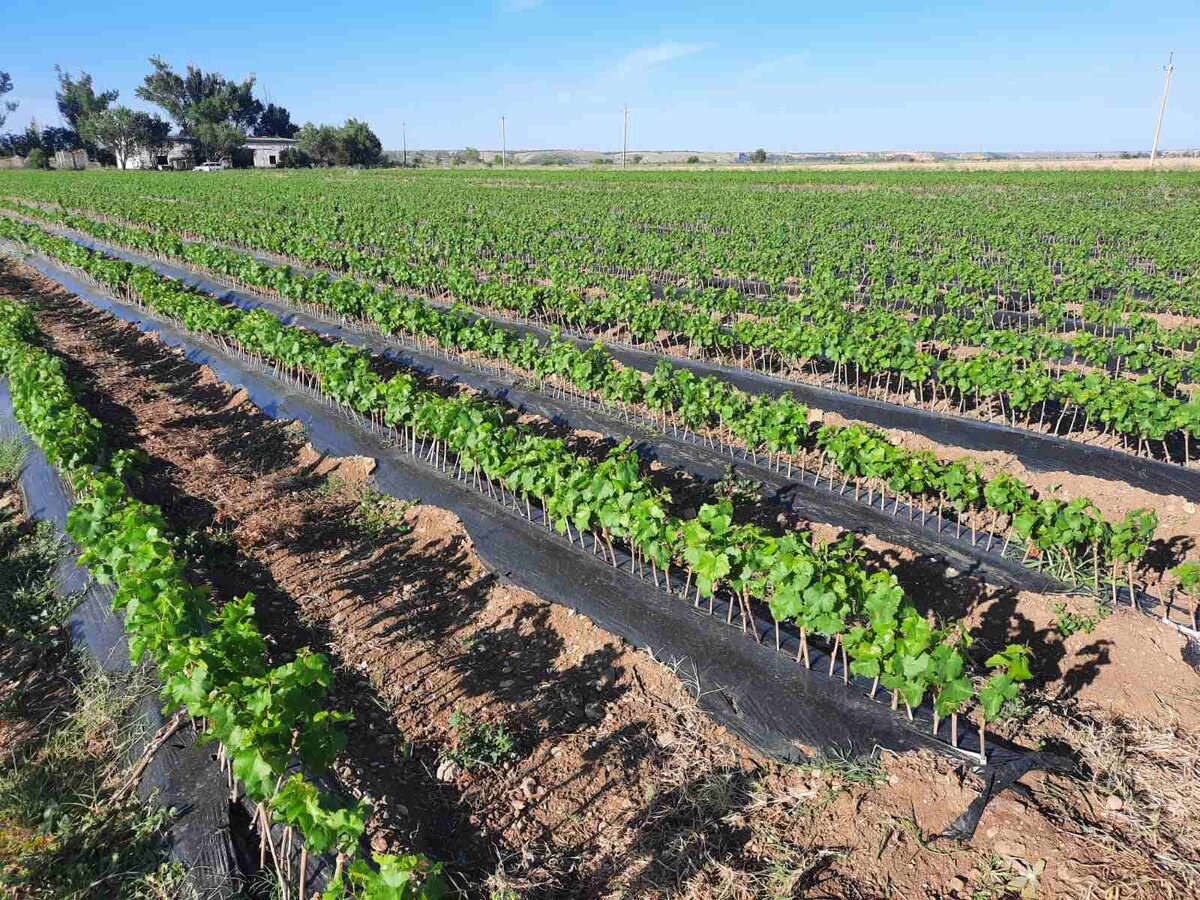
point(804, 493)
point(809, 496)
point(773, 702)
point(1039, 452)
point(180, 775)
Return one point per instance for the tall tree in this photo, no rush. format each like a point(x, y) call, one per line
point(56, 138)
point(33, 136)
point(275, 121)
point(78, 100)
point(124, 132)
point(357, 144)
point(218, 140)
point(6, 106)
point(205, 105)
point(319, 143)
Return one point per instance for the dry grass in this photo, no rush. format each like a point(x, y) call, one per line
point(1142, 803)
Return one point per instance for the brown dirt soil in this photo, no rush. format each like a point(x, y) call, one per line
point(620, 787)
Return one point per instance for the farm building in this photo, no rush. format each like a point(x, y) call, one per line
point(180, 153)
point(268, 151)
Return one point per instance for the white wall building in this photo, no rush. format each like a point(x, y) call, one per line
point(268, 151)
point(180, 153)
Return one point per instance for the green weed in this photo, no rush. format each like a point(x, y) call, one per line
point(62, 833)
point(12, 458)
point(1069, 622)
point(375, 512)
point(479, 743)
point(29, 605)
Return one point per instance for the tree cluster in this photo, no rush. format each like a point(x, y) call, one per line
point(78, 101)
point(351, 144)
point(90, 122)
point(217, 113)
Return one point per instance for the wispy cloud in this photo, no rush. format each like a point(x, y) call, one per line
point(774, 66)
point(644, 59)
point(519, 6)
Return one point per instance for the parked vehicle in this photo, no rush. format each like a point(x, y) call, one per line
point(211, 167)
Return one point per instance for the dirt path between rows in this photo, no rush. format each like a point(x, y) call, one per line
point(619, 787)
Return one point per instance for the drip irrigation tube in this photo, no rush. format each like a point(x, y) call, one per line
point(1037, 451)
point(805, 494)
point(764, 695)
point(810, 497)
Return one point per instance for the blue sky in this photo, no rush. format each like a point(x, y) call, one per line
point(698, 75)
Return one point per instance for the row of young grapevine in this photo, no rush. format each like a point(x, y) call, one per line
point(1165, 355)
point(955, 238)
point(270, 723)
point(863, 616)
point(722, 320)
point(879, 349)
point(1073, 538)
point(364, 232)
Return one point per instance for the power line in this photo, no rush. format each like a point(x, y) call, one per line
point(1162, 107)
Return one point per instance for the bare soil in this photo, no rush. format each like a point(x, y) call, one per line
point(619, 787)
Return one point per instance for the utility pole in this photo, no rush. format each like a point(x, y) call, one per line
point(404, 139)
point(1162, 107)
point(625, 135)
point(503, 146)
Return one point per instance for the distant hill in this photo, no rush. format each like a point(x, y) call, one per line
point(565, 157)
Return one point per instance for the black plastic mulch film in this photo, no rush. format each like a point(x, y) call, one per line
point(805, 494)
point(773, 702)
point(1037, 451)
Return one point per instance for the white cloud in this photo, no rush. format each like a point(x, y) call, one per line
point(519, 6)
point(644, 59)
point(773, 66)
